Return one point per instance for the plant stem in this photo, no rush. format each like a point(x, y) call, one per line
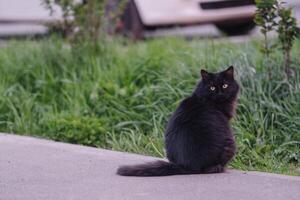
point(287, 63)
point(267, 53)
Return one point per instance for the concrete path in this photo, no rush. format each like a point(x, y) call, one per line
point(35, 169)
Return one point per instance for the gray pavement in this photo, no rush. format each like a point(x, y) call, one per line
point(21, 29)
point(33, 168)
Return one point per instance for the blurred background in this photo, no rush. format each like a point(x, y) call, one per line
point(146, 18)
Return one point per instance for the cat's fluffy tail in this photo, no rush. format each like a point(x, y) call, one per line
point(156, 168)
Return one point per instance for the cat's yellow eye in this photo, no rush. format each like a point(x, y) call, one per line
point(212, 88)
point(225, 86)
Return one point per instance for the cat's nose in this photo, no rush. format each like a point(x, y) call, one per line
point(220, 95)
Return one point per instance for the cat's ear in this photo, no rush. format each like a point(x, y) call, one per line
point(229, 72)
point(204, 74)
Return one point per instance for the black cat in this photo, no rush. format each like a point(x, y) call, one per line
point(198, 137)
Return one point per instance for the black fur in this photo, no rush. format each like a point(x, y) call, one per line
point(157, 168)
point(198, 137)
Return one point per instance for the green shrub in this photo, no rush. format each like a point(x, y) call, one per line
point(274, 15)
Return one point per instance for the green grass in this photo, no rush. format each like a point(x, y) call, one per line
point(121, 97)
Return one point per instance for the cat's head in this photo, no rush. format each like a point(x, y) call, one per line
point(218, 87)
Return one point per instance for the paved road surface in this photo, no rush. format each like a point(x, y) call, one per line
point(34, 169)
